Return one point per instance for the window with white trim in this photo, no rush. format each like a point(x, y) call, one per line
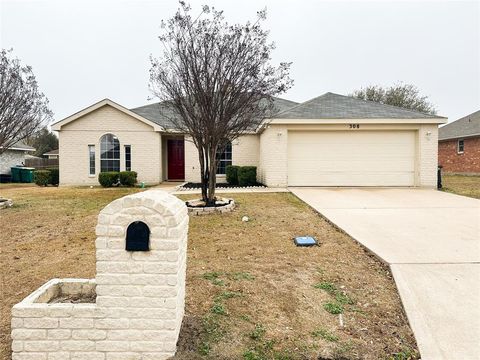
point(128, 158)
point(109, 153)
point(225, 159)
point(460, 146)
point(91, 159)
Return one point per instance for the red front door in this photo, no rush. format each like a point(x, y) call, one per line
point(176, 159)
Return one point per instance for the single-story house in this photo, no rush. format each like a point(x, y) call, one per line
point(52, 154)
point(459, 145)
point(331, 140)
point(13, 156)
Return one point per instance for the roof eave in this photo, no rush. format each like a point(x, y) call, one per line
point(439, 120)
point(58, 125)
point(456, 137)
point(21, 149)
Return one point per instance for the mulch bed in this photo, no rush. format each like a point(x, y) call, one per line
point(192, 186)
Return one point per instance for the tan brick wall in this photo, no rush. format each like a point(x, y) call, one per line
point(467, 162)
point(75, 137)
point(273, 156)
point(427, 155)
point(245, 152)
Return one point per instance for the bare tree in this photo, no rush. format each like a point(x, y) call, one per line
point(403, 95)
point(23, 108)
point(216, 81)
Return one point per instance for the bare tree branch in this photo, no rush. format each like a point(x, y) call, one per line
point(23, 108)
point(216, 81)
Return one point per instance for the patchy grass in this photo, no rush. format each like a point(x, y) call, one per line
point(239, 275)
point(325, 334)
point(218, 309)
point(462, 185)
point(333, 308)
point(257, 333)
point(328, 287)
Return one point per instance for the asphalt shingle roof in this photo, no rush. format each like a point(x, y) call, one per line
point(334, 106)
point(161, 114)
point(464, 127)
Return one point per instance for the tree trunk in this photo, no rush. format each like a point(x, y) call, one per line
point(212, 178)
point(203, 172)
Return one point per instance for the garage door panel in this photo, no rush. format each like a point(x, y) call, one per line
point(386, 165)
point(379, 179)
point(368, 158)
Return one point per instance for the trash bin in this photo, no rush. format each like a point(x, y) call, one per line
point(16, 170)
point(439, 177)
point(26, 174)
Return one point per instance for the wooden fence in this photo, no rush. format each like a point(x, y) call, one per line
point(41, 163)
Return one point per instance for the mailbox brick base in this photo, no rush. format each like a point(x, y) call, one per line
point(139, 295)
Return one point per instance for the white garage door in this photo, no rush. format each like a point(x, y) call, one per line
point(351, 158)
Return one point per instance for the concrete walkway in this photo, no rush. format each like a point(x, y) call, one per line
point(431, 240)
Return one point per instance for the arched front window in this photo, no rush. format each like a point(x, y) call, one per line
point(109, 153)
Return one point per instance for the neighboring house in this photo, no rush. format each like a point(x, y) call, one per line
point(13, 156)
point(331, 140)
point(459, 145)
point(52, 154)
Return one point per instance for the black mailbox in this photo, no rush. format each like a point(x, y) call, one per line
point(138, 237)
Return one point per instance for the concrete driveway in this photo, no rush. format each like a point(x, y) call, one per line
point(431, 240)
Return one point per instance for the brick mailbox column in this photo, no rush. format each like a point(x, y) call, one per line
point(142, 292)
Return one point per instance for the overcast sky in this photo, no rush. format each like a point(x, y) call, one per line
point(84, 51)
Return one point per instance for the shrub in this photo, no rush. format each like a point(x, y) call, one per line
point(232, 174)
point(128, 178)
point(247, 175)
point(41, 177)
point(108, 179)
point(54, 176)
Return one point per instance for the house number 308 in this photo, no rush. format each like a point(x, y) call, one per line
point(354, 126)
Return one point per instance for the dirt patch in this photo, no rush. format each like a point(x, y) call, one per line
point(74, 299)
point(198, 203)
point(251, 293)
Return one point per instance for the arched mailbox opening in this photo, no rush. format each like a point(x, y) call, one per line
point(138, 237)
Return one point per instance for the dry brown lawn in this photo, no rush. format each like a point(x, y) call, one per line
point(462, 185)
point(250, 292)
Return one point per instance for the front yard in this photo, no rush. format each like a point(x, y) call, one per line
point(251, 293)
point(462, 185)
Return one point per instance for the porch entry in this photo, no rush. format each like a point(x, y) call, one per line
point(176, 159)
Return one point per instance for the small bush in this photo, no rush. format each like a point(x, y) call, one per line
point(128, 178)
point(247, 175)
point(108, 179)
point(54, 176)
point(232, 174)
point(41, 177)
